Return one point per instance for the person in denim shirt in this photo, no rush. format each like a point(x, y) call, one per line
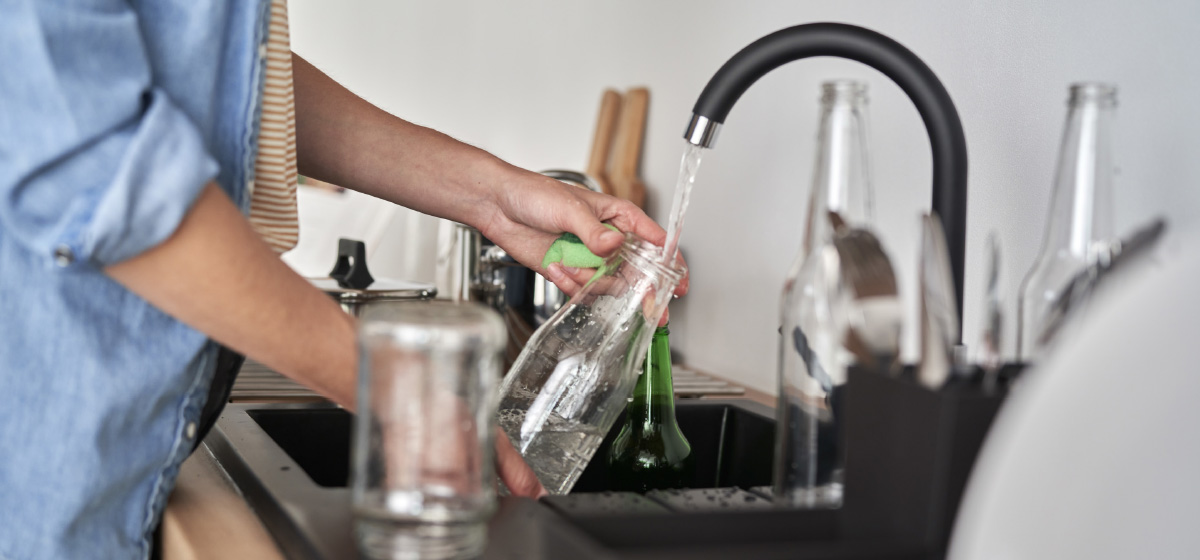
point(127, 139)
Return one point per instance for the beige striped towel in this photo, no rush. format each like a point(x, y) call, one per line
point(273, 194)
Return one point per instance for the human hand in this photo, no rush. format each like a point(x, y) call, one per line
point(436, 443)
point(513, 470)
point(532, 210)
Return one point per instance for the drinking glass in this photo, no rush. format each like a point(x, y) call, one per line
point(423, 437)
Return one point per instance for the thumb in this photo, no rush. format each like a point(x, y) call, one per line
point(602, 239)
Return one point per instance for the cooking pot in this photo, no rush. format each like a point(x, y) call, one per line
point(351, 284)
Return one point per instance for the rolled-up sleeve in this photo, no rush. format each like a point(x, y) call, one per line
point(96, 163)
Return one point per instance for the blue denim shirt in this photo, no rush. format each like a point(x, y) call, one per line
point(114, 114)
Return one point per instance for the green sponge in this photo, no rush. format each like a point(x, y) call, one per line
point(569, 250)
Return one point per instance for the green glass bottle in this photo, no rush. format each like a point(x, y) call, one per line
point(650, 452)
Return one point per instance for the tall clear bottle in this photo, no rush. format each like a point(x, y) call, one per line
point(812, 358)
point(574, 376)
point(1080, 224)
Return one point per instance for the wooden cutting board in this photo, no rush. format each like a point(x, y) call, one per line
point(624, 163)
point(602, 140)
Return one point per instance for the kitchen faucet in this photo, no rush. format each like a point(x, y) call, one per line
point(937, 110)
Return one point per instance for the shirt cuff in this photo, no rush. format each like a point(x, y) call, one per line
point(163, 168)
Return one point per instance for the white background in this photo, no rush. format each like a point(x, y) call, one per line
point(523, 80)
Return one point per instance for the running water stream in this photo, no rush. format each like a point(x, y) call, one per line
point(688, 166)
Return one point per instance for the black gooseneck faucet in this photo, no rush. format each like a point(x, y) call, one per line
point(945, 131)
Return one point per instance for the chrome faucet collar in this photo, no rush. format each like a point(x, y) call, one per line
point(702, 131)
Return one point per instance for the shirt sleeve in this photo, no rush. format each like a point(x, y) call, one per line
point(96, 163)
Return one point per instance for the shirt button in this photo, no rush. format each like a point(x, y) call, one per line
point(63, 255)
point(191, 430)
point(262, 50)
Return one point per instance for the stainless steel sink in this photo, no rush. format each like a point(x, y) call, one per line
point(732, 444)
point(291, 462)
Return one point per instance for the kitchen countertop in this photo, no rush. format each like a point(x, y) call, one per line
point(907, 461)
point(207, 517)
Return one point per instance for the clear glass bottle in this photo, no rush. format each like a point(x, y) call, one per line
point(571, 381)
point(651, 452)
point(1079, 226)
point(812, 358)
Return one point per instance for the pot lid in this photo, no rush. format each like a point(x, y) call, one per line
point(383, 288)
point(351, 281)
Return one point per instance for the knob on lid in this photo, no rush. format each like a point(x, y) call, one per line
point(350, 270)
point(351, 282)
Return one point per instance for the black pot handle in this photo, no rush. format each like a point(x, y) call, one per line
point(350, 270)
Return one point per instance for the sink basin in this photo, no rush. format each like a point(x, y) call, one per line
point(318, 440)
point(291, 462)
point(733, 442)
point(733, 445)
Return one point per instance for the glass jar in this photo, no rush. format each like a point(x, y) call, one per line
point(423, 436)
point(573, 378)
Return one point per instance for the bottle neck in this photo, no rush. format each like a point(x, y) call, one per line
point(841, 174)
point(1081, 212)
point(653, 402)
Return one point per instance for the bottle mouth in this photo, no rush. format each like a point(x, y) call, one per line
point(1093, 92)
point(843, 90)
point(648, 256)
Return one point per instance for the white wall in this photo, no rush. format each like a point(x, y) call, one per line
point(523, 80)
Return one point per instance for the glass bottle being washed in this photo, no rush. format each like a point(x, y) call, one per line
point(1079, 227)
point(812, 357)
point(651, 452)
point(569, 384)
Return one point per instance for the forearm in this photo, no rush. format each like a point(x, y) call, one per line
point(216, 275)
point(346, 141)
